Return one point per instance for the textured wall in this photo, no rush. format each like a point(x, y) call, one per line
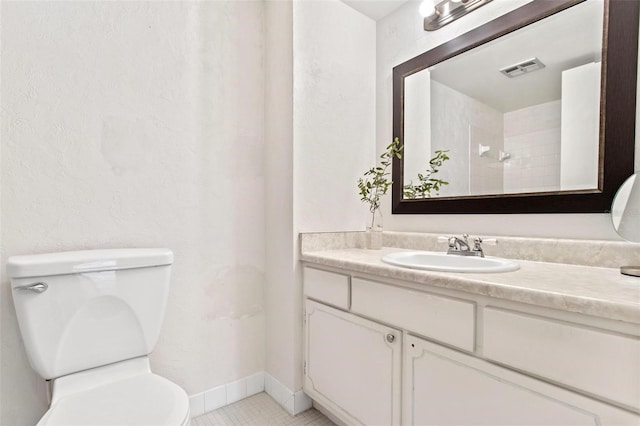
point(281, 292)
point(334, 113)
point(140, 124)
point(319, 114)
point(399, 38)
point(319, 110)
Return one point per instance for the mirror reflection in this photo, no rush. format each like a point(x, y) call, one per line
point(517, 115)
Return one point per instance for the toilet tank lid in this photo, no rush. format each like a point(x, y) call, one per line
point(76, 262)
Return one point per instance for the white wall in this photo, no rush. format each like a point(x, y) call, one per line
point(281, 296)
point(319, 112)
point(139, 124)
point(333, 112)
point(580, 130)
point(417, 125)
point(399, 38)
point(334, 102)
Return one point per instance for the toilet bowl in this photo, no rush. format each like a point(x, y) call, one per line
point(89, 320)
point(125, 393)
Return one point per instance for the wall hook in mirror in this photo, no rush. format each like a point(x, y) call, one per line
point(502, 155)
point(483, 149)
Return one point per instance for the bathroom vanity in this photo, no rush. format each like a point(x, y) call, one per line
point(548, 344)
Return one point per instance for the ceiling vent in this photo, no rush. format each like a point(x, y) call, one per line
point(522, 68)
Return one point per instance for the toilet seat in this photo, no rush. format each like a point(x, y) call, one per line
point(142, 400)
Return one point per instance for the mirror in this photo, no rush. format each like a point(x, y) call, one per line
point(517, 114)
point(625, 215)
point(625, 210)
point(528, 110)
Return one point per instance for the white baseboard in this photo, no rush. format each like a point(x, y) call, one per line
point(293, 402)
point(214, 398)
point(229, 393)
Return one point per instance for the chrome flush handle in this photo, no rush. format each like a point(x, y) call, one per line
point(35, 287)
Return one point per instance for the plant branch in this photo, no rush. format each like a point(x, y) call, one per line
point(374, 183)
point(427, 183)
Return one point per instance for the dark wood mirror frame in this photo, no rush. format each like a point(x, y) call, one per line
point(617, 115)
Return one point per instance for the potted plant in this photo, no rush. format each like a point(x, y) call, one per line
point(373, 185)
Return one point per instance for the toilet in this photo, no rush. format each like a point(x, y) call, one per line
point(89, 320)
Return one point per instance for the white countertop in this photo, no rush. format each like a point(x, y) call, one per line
point(595, 291)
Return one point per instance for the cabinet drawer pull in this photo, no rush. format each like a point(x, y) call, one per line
point(391, 338)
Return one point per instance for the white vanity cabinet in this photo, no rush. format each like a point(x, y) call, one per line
point(446, 387)
point(353, 365)
point(387, 353)
point(599, 362)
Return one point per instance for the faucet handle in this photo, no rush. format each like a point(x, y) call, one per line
point(477, 244)
point(489, 241)
point(449, 240)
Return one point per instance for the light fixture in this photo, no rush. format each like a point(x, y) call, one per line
point(427, 8)
point(440, 14)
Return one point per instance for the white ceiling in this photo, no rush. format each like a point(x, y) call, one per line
point(561, 42)
point(375, 9)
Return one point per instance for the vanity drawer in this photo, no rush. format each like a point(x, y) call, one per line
point(447, 320)
point(595, 361)
point(328, 287)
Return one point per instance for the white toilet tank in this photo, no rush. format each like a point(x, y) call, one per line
point(83, 309)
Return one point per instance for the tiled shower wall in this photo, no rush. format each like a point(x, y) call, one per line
point(454, 115)
point(532, 137)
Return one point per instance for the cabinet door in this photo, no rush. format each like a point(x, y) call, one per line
point(445, 387)
point(353, 366)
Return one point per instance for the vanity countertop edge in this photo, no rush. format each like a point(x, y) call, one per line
point(595, 291)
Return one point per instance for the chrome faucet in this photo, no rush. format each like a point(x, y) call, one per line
point(461, 247)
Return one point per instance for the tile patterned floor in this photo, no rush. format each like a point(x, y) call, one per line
point(259, 410)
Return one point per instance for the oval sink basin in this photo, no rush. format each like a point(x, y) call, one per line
point(443, 262)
